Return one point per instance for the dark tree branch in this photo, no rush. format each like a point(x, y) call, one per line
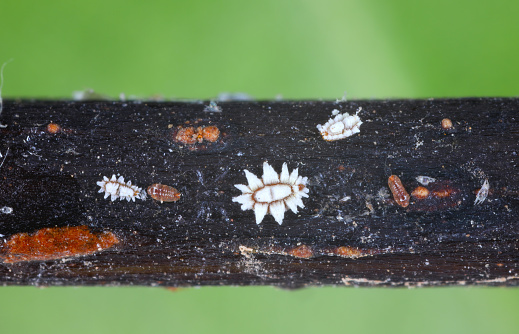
point(58, 230)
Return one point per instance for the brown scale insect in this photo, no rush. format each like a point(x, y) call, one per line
point(399, 193)
point(53, 128)
point(446, 124)
point(163, 193)
point(420, 192)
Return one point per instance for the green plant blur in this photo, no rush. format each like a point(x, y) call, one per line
point(296, 49)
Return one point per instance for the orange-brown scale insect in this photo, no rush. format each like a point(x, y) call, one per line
point(442, 193)
point(163, 193)
point(53, 128)
point(446, 124)
point(399, 193)
point(420, 192)
point(439, 195)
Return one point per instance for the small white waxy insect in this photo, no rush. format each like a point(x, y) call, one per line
point(274, 193)
point(117, 188)
point(342, 126)
point(213, 107)
point(482, 193)
point(6, 209)
point(425, 180)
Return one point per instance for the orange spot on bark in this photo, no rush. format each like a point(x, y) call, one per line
point(53, 128)
point(56, 243)
point(420, 193)
point(302, 251)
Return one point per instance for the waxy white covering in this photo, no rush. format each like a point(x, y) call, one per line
point(116, 188)
point(342, 126)
point(274, 193)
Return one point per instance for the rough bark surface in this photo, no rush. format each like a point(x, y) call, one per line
point(351, 230)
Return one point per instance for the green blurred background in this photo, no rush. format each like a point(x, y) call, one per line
point(301, 50)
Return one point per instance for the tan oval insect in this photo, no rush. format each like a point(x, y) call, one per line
point(163, 193)
point(53, 128)
point(420, 192)
point(399, 193)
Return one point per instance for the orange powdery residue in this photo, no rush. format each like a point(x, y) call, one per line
point(346, 251)
point(56, 243)
point(354, 252)
point(186, 135)
point(191, 135)
point(210, 133)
